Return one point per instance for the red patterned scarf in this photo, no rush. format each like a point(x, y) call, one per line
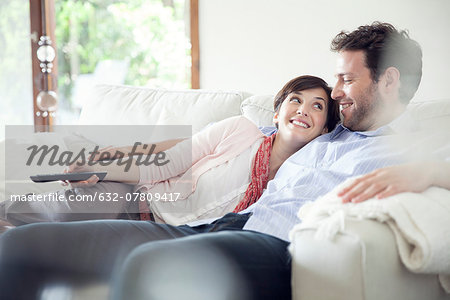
point(259, 175)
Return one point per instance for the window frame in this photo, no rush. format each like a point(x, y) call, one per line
point(195, 45)
point(44, 121)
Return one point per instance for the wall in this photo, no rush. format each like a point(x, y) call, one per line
point(258, 45)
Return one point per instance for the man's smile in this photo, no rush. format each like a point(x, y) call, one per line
point(345, 105)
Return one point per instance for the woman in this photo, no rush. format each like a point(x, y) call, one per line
point(233, 152)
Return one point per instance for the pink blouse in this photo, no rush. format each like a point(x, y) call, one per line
point(209, 148)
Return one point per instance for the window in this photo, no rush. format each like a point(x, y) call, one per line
point(138, 42)
point(15, 64)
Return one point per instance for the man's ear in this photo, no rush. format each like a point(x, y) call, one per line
point(390, 82)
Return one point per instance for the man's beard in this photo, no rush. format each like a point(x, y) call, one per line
point(368, 106)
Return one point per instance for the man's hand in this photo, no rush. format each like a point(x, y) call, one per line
point(5, 225)
point(385, 182)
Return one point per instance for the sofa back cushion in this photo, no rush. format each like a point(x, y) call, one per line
point(431, 114)
point(259, 109)
point(127, 105)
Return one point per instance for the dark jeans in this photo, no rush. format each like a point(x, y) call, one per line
point(145, 260)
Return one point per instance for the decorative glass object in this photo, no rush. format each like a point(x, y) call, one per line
point(46, 100)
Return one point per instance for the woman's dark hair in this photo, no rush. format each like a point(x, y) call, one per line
point(384, 47)
point(308, 82)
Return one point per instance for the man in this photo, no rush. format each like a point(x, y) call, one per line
point(379, 70)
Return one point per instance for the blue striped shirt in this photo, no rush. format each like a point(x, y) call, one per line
point(319, 166)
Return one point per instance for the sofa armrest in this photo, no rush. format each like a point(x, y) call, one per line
point(360, 263)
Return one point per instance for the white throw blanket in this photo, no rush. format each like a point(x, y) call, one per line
point(419, 221)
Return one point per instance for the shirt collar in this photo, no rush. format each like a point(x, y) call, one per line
point(335, 133)
point(402, 124)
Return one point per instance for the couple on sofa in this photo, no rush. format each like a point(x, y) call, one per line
point(378, 72)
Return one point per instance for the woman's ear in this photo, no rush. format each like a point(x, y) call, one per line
point(275, 118)
point(325, 130)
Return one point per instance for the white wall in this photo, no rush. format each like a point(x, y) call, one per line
point(258, 45)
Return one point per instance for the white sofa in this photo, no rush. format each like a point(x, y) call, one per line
point(361, 263)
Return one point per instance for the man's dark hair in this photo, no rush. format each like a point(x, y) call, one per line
point(384, 47)
point(307, 82)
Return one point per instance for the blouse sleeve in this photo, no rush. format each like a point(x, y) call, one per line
point(185, 154)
